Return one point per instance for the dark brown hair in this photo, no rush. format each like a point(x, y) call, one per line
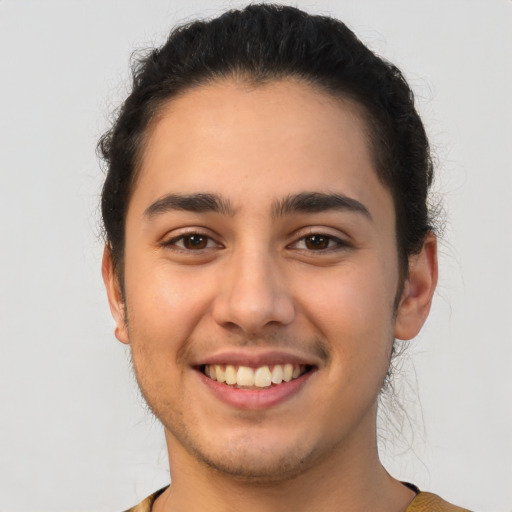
point(262, 43)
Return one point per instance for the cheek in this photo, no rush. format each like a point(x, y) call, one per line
point(163, 311)
point(356, 294)
point(164, 307)
point(353, 310)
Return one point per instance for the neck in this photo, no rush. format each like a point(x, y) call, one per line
point(350, 479)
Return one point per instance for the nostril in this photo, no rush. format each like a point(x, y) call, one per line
point(253, 301)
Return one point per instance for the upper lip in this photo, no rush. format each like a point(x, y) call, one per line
point(257, 358)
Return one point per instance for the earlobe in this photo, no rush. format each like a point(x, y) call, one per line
point(115, 296)
point(418, 290)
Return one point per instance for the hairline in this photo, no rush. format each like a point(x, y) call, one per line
point(159, 106)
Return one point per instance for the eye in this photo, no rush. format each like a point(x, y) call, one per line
point(318, 242)
point(192, 242)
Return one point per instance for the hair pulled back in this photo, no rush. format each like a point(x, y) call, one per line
point(262, 43)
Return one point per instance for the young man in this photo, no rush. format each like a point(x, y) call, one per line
point(267, 240)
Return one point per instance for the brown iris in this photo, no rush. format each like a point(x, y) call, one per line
point(195, 241)
point(317, 242)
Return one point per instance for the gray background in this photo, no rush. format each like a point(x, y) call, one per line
point(74, 435)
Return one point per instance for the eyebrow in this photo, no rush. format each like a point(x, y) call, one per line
point(197, 203)
point(316, 202)
point(304, 202)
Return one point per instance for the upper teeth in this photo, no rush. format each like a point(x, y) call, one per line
point(261, 377)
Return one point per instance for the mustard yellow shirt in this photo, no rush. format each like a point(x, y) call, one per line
point(423, 502)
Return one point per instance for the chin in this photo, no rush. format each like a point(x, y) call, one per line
point(257, 456)
point(257, 466)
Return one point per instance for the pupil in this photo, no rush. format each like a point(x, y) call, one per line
point(195, 242)
point(317, 242)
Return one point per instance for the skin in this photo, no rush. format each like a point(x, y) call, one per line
point(256, 283)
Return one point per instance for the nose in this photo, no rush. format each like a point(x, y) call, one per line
point(253, 295)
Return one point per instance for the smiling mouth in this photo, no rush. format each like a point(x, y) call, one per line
point(245, 377)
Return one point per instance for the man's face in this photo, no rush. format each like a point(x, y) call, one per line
point(258, 236)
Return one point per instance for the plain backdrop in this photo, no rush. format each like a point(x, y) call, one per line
point(74, 434)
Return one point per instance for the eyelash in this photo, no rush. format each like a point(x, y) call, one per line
point(173, 242)
point(333, 243)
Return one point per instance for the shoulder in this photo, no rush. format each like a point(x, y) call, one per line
point(146, 505)
point(424, 502)
point(428, 502)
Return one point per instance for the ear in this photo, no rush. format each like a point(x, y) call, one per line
point(418, 290)
point(115, 296)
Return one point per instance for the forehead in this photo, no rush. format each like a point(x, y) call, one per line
point(257, 141)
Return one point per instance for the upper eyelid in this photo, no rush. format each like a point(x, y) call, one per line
point(187, 231)
point(338, 240)
point(172, 240)
point(322, 231)
point(295, 237)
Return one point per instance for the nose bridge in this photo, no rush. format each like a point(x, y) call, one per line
point(253, 293)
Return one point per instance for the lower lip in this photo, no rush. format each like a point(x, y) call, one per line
point(256, 398)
